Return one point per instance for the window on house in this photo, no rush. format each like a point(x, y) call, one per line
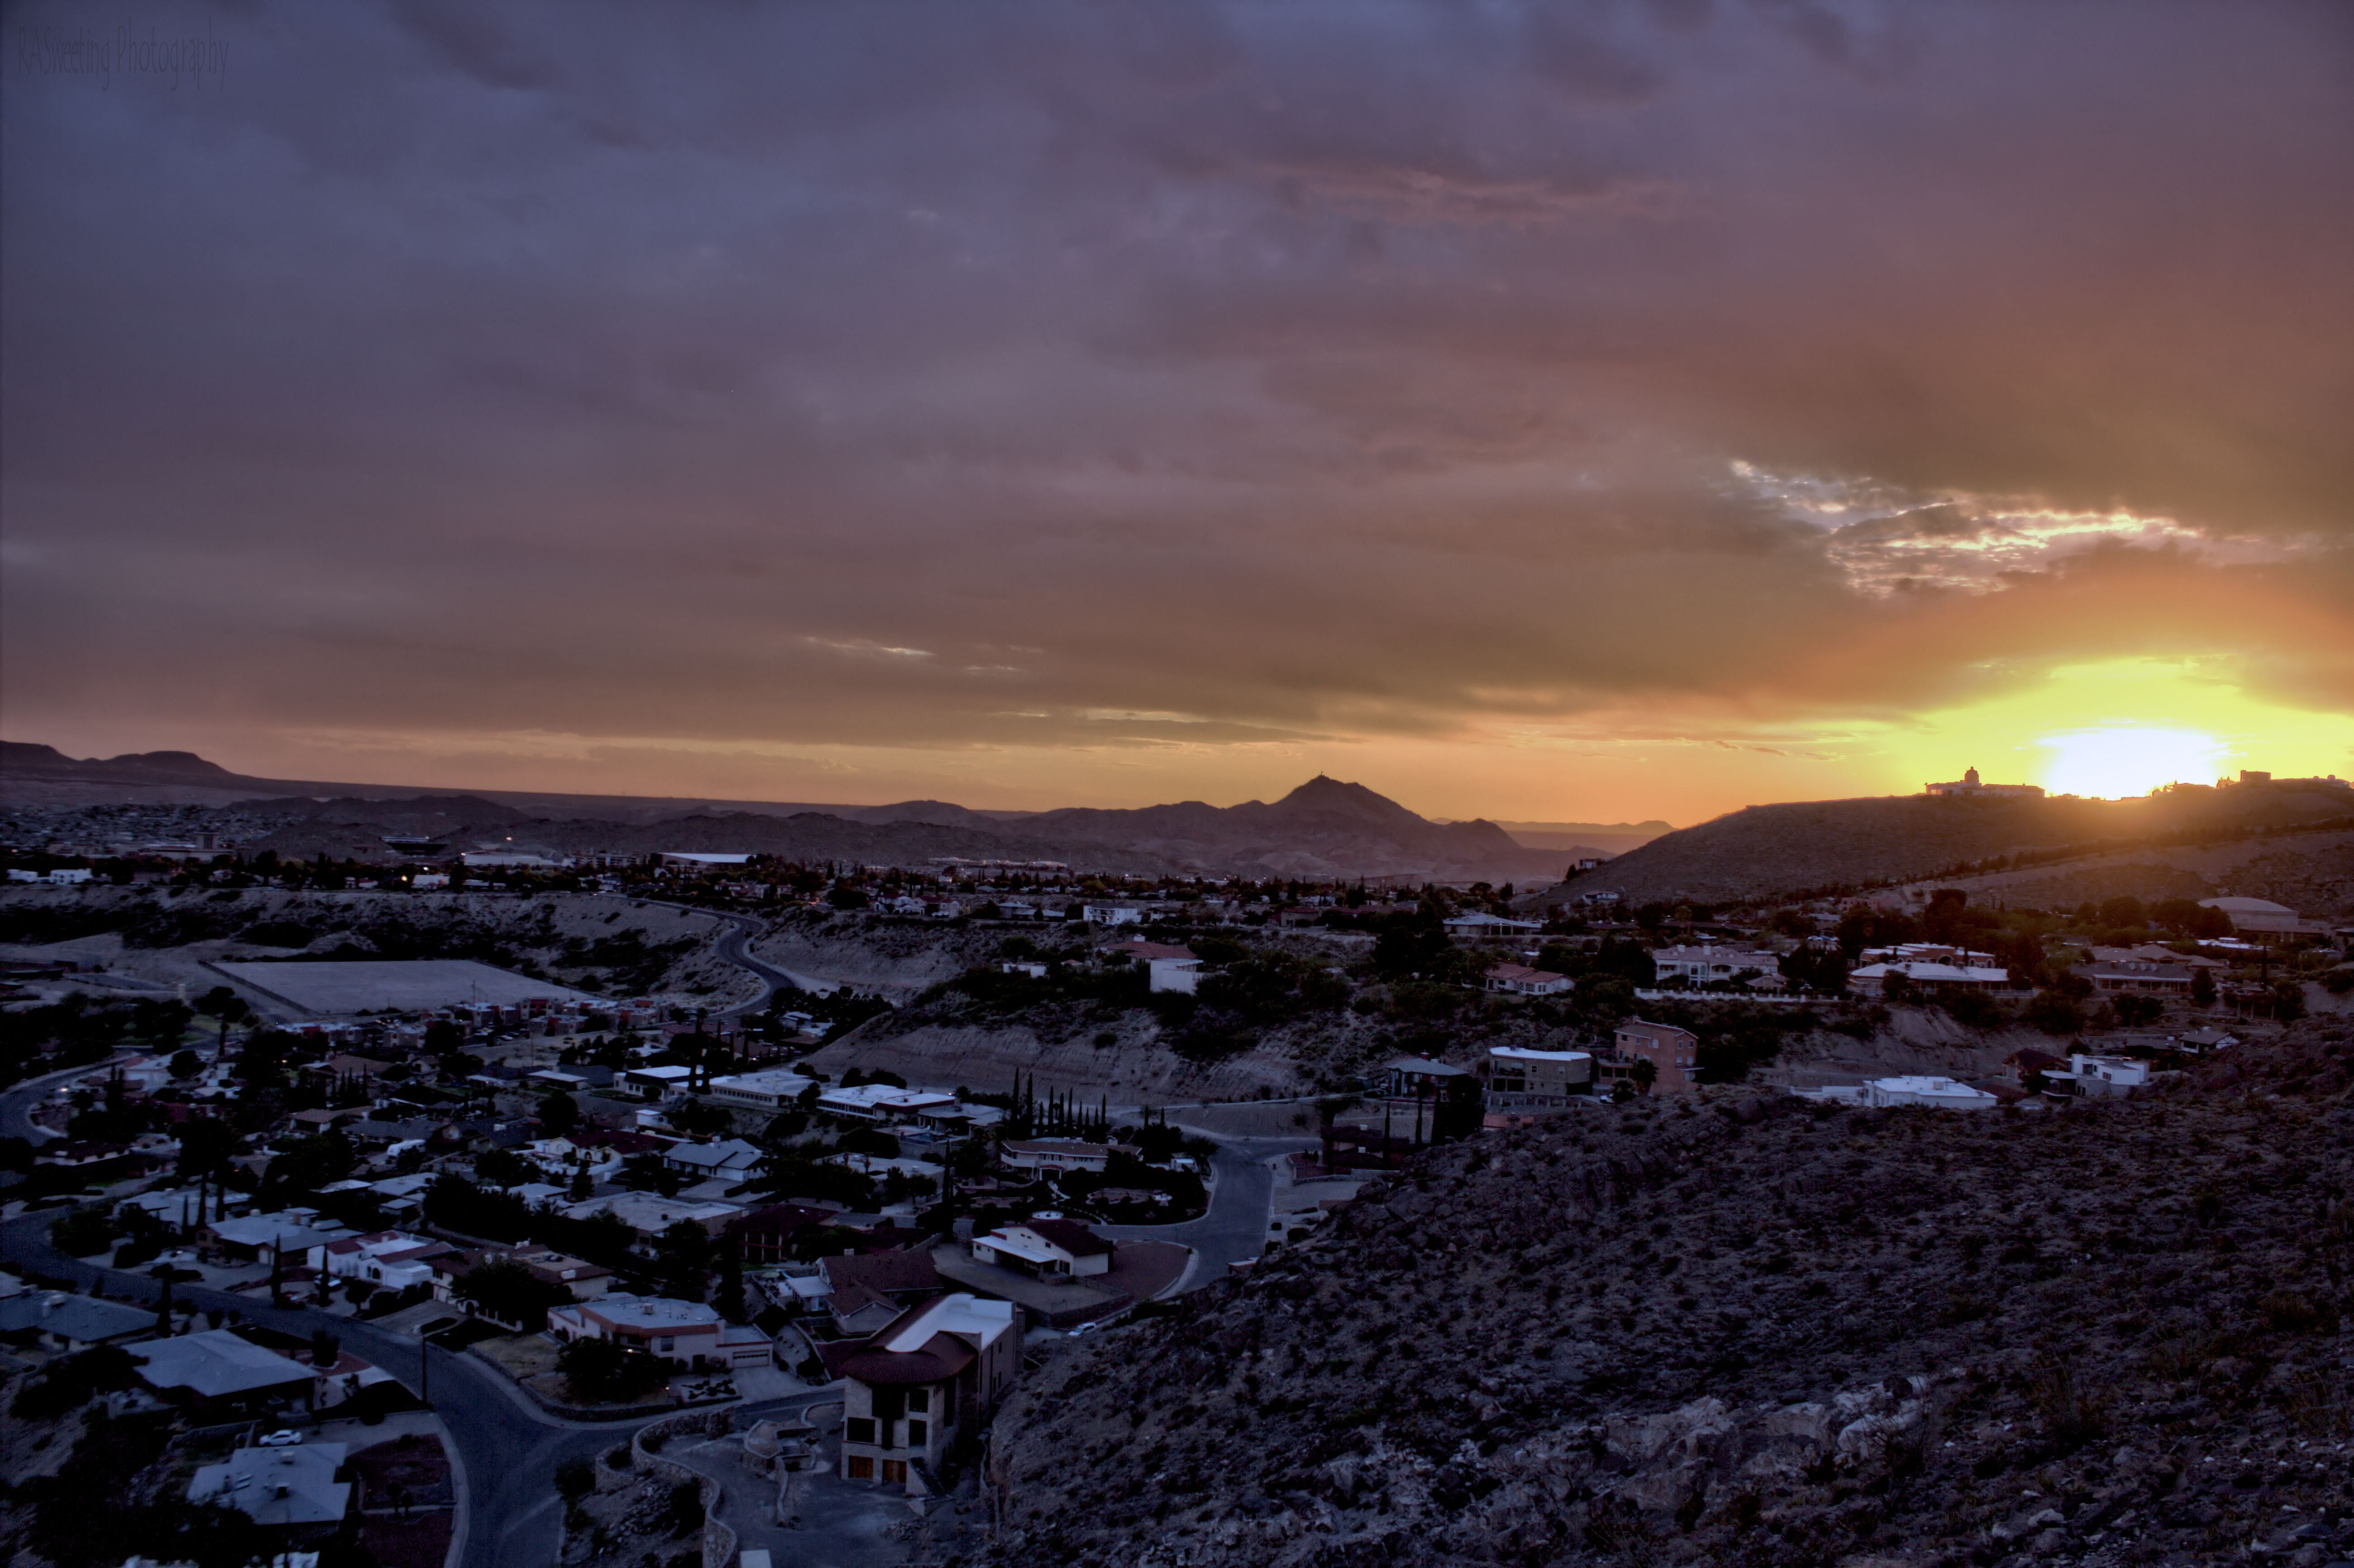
point(861, 1469)
point(919, 1433)
point(895, 1472)
point(859, 1429)
point(919, 1400)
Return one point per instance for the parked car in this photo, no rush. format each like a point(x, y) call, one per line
point(284, 1437)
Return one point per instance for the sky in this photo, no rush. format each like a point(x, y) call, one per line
point(1586, 413)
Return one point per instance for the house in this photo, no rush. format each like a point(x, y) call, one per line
point(1673, 1052)
point(2151, 952)
point(1872, 980)
point(1054, 1154)
point(1171, 968)
point(2138, 977)
point(1479, 923)
point(685, 1333)
point(585, 1281)
point(882, 1102)
point(1938, 1093)
point(2253, 914)
point(772, 1089)
point(386, 1258)
point(1417, 1078)
point(1111, 914)
point(2096, 1078)
point(905, 1275)
point(216, 1375)
point(656, 1082)
point(2023, 1066)
point(59, 1321)
point(921, 1383)
point(289, 1231)
point(732, 1159)
point(772, 1235)
point(1048, 1245)
point(1520, 980)
point(2206, 1040)
point(686, 860)
point(650, 1214)
point(1027, 969)
point(1523, 1079)
point(292, 1487)
point(1706, 963)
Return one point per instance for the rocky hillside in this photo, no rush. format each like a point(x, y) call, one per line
point(1755, 1331)
point(2311, 872)
point(1770, 852)
point(164, 937)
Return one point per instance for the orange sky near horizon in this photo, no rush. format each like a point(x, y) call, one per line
point(1594, 413)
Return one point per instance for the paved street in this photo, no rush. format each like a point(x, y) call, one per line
point(1241, 1198)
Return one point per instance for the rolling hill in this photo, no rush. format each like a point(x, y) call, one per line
point(1787, 850)
point(1324, 830)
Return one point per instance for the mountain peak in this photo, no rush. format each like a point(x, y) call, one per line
point(1324, 793)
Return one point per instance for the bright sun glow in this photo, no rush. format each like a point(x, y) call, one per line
point(2127, 760)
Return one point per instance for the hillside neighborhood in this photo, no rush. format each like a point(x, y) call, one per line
point(817, 1167)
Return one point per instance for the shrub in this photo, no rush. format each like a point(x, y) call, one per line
point(74, 1380)
point(575, 1478)
point(684, 1511)
point(599, 1370)
point(84, 1232)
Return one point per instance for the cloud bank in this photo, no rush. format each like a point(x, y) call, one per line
point(1018, 395)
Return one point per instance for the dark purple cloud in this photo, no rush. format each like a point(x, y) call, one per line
point(944, 376)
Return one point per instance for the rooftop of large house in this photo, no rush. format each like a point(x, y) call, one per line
point(215, 1364)
point(649, 1213)
point(652, 1313)
point(885, 1096)
point(1524, 1054)
point(1147, 952)
point(787, 1083)
point(1039, 1240)
point(294, 1485)
point(926, 1343)
point(885, 1272)
point(84, 1320)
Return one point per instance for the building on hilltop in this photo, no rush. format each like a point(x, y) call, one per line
point(1969, 786)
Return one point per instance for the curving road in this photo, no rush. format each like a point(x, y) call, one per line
point(1242, 1197)
point(735, 944)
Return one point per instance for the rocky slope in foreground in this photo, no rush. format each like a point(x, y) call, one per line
point(1756, 1332)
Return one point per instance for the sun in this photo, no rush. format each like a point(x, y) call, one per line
point(2129, 759)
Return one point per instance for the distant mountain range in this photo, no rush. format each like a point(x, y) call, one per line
point(1325, 829)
